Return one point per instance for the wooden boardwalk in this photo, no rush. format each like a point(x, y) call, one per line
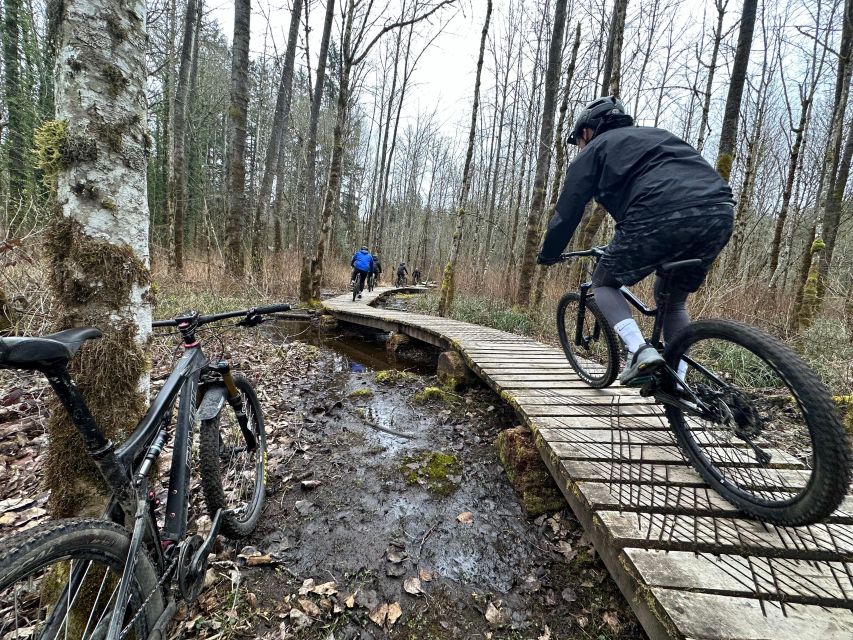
point(689, 564)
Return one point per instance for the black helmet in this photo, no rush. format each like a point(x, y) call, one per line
point(594, 114)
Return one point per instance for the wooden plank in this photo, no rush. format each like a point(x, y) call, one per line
point(702, 616)
point(614, 472)
point(511, 385)
point(801, 581)
point(606, 410)
point(726, 535)
point(583, 397)
point(601, 422)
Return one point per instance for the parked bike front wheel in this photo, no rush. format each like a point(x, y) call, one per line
point(589, 342)
point(61, 579)
point(765, 433)
point(232, 461)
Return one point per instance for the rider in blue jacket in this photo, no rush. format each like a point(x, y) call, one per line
point(362, 265)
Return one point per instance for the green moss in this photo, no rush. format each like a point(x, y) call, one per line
point(432, 394)
point(393, 376)
point(433, 469)
point(817, 245)
point(116, 82)
point(724, 165)
point(364, 392)
point(109, 204)
point(527, 473)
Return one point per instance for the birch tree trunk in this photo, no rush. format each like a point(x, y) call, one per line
point(234, 261)
point(448, 279)
point(98, 238)
point(179, 139)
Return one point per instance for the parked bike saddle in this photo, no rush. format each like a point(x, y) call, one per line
point(35, 352)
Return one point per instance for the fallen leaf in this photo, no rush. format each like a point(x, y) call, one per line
point(612, 621)
point(495, 616)
point(309, 607)
point(307, 586)
point(546, 634)
point(396, 556)
point(425, 575)
point(310, 484)
point(412, 586)
point(299, 619)
point(350, 602)
point(569, 594)
point(379, 614)
point(394, 613)
point(466, 517)
point(325, 589)
point(252, 599)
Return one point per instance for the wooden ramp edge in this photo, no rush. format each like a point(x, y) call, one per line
point(689, 565)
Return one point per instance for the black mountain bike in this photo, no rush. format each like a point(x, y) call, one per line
point(401, 280)
point(119, 575)
point(371, 281)
point(753, 419)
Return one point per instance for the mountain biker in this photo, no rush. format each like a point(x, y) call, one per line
point(402, 272)
point(668, 203)
point(416, 276)
point(377, 269)
point(362, 264)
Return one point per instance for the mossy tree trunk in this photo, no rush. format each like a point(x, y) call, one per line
point(543, 156)
point(237, 139)
point(559, 160)
point(16, 145)
point(98, 240)
point(448, 278)
point(728, 129)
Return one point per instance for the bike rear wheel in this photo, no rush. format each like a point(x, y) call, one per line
point(60, 580)
point(769, 439)
point(233, 476)
point(595, 356)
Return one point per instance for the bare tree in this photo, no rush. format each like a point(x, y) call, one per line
point(280, 120)
point(543, 160)
point(448, 280)
point(717, 38)
point(728, 130)
point(178, 187)
point(237, 138)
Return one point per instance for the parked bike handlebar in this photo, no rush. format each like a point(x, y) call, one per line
point(254, 312)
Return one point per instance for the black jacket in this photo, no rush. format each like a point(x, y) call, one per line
point(636, 173)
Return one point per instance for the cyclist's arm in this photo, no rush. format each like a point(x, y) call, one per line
point(579, 187)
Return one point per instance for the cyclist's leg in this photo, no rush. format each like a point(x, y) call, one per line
point(615, 309)
point(362, 276)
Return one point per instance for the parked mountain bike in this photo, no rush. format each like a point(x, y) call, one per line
point(120, 575)
point(752, 418)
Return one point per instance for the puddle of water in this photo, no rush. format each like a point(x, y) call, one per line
point(358, 353)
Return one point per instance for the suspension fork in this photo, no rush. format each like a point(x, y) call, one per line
point(236, 401)
point(584, 293)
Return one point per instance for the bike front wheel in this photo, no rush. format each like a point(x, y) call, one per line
point(761, 428)
point(591, 346)
point(233, 463)
point(61, 579)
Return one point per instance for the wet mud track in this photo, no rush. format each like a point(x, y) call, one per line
point(387, 517)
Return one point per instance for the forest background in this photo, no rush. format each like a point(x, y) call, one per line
point(281, 137)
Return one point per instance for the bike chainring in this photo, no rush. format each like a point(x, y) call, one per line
point(190, 582)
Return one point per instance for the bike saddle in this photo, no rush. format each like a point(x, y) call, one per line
point(680, 264)
point(41, 351)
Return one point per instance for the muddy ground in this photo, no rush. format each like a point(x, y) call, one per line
point(385, 517)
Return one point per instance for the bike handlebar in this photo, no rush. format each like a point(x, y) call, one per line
point(245, 313)
point(595, 251)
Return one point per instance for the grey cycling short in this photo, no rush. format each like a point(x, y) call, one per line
point(640, 247)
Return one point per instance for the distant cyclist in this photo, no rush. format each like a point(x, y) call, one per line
point(377, 269)
point(668, 203)
point(402, 272)
point(416, 276)
point(362, 264)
